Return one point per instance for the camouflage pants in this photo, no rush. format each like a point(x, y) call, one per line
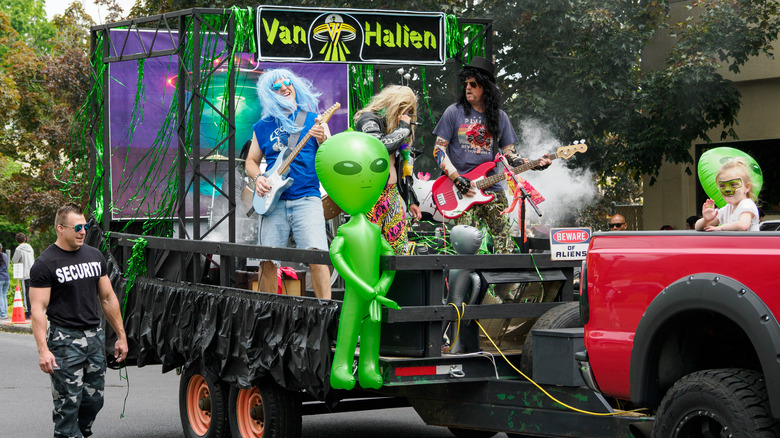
point(77, 386)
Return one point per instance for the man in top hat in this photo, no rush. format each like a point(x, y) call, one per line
point(471, 132)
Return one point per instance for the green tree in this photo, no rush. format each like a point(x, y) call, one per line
point(577, 66)
point(39, 94)
point(28, 18)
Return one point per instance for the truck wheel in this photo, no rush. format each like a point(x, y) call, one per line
point(202, 405)
point(716, 403)
point(266, 411)
point(563, 316)
point(471, 433)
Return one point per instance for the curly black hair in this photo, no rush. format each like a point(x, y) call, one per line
point(490, 95)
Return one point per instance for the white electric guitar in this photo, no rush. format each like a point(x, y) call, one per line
point(276, 175)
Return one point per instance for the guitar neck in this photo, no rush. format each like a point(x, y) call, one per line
point(499, 176)
point(294, 152)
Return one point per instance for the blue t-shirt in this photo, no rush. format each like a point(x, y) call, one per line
point(470, 144)
point(272, 137)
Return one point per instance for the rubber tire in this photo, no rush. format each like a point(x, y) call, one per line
point(281, 412)
point(210, 423)
point(471, 433)
point(564, 316)
point(732, 398)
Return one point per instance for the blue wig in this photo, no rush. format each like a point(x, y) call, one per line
point(278, 107)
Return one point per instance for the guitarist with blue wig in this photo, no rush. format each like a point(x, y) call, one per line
point(288, 201)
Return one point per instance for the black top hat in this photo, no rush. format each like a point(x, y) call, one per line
point(482, 64)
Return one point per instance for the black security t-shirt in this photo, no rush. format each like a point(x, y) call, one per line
point(73, 278)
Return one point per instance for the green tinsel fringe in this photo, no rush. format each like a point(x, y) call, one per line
point(361, 76)
point(136, 266)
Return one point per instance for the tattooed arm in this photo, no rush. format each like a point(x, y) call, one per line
point(464, 185)
point(515, 159)
point(511, 155)
point(440, 155)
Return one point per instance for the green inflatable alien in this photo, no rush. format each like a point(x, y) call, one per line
point(353, 167)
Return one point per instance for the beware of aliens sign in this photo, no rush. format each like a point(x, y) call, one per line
point(293, 34)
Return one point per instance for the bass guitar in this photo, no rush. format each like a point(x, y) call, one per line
point(276, 175)
point(451, 203)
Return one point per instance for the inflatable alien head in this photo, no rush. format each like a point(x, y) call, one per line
point(709, 165)
point(353, 168)
point(465, 239)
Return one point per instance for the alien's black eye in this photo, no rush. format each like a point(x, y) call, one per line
point(347, 168)
point(379, 165)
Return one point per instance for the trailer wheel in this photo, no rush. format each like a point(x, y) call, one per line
point(563, 316)
point(716, 403)
point(202, 405)
point(471, 433)
point(266, 411)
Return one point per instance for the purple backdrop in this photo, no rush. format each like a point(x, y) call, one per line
point(132, 155)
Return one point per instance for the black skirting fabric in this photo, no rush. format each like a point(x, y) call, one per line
point(237, 335)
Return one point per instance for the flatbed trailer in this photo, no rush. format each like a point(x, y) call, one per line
point(254, 363)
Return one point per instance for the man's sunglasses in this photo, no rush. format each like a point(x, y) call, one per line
point(77, 228)
point(278, 86)
point(473, 84)
point(617, 225)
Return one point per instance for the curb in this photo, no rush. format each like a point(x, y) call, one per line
point(16, 328)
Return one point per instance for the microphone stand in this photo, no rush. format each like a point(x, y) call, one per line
point(523, 197)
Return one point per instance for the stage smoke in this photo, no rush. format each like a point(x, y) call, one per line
point(567, 190)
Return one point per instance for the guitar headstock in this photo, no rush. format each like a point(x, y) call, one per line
point(566, 152)
point(329, 112)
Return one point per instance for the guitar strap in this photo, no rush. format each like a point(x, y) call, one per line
point(300, 119)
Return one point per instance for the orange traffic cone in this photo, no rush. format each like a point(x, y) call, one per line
point(18, 315)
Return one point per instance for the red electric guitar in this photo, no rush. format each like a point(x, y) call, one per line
point(451, 203)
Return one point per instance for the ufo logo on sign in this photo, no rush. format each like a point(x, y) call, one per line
point(571, 236)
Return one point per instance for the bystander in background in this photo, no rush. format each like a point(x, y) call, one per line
point(690, 223)
point(25, 255)
point(5, 281)
point(617, 223)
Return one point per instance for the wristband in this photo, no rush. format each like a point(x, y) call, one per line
point(463, 184)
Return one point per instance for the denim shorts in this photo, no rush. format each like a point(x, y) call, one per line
point(301, 218)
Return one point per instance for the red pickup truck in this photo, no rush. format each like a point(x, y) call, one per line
point(685, 324)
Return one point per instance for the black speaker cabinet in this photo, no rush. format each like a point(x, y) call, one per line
point(410, 288)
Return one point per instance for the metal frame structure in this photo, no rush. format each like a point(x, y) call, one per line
point(189, 81)
point(191, 99)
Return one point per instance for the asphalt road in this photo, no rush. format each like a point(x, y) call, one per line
point(149, 401)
